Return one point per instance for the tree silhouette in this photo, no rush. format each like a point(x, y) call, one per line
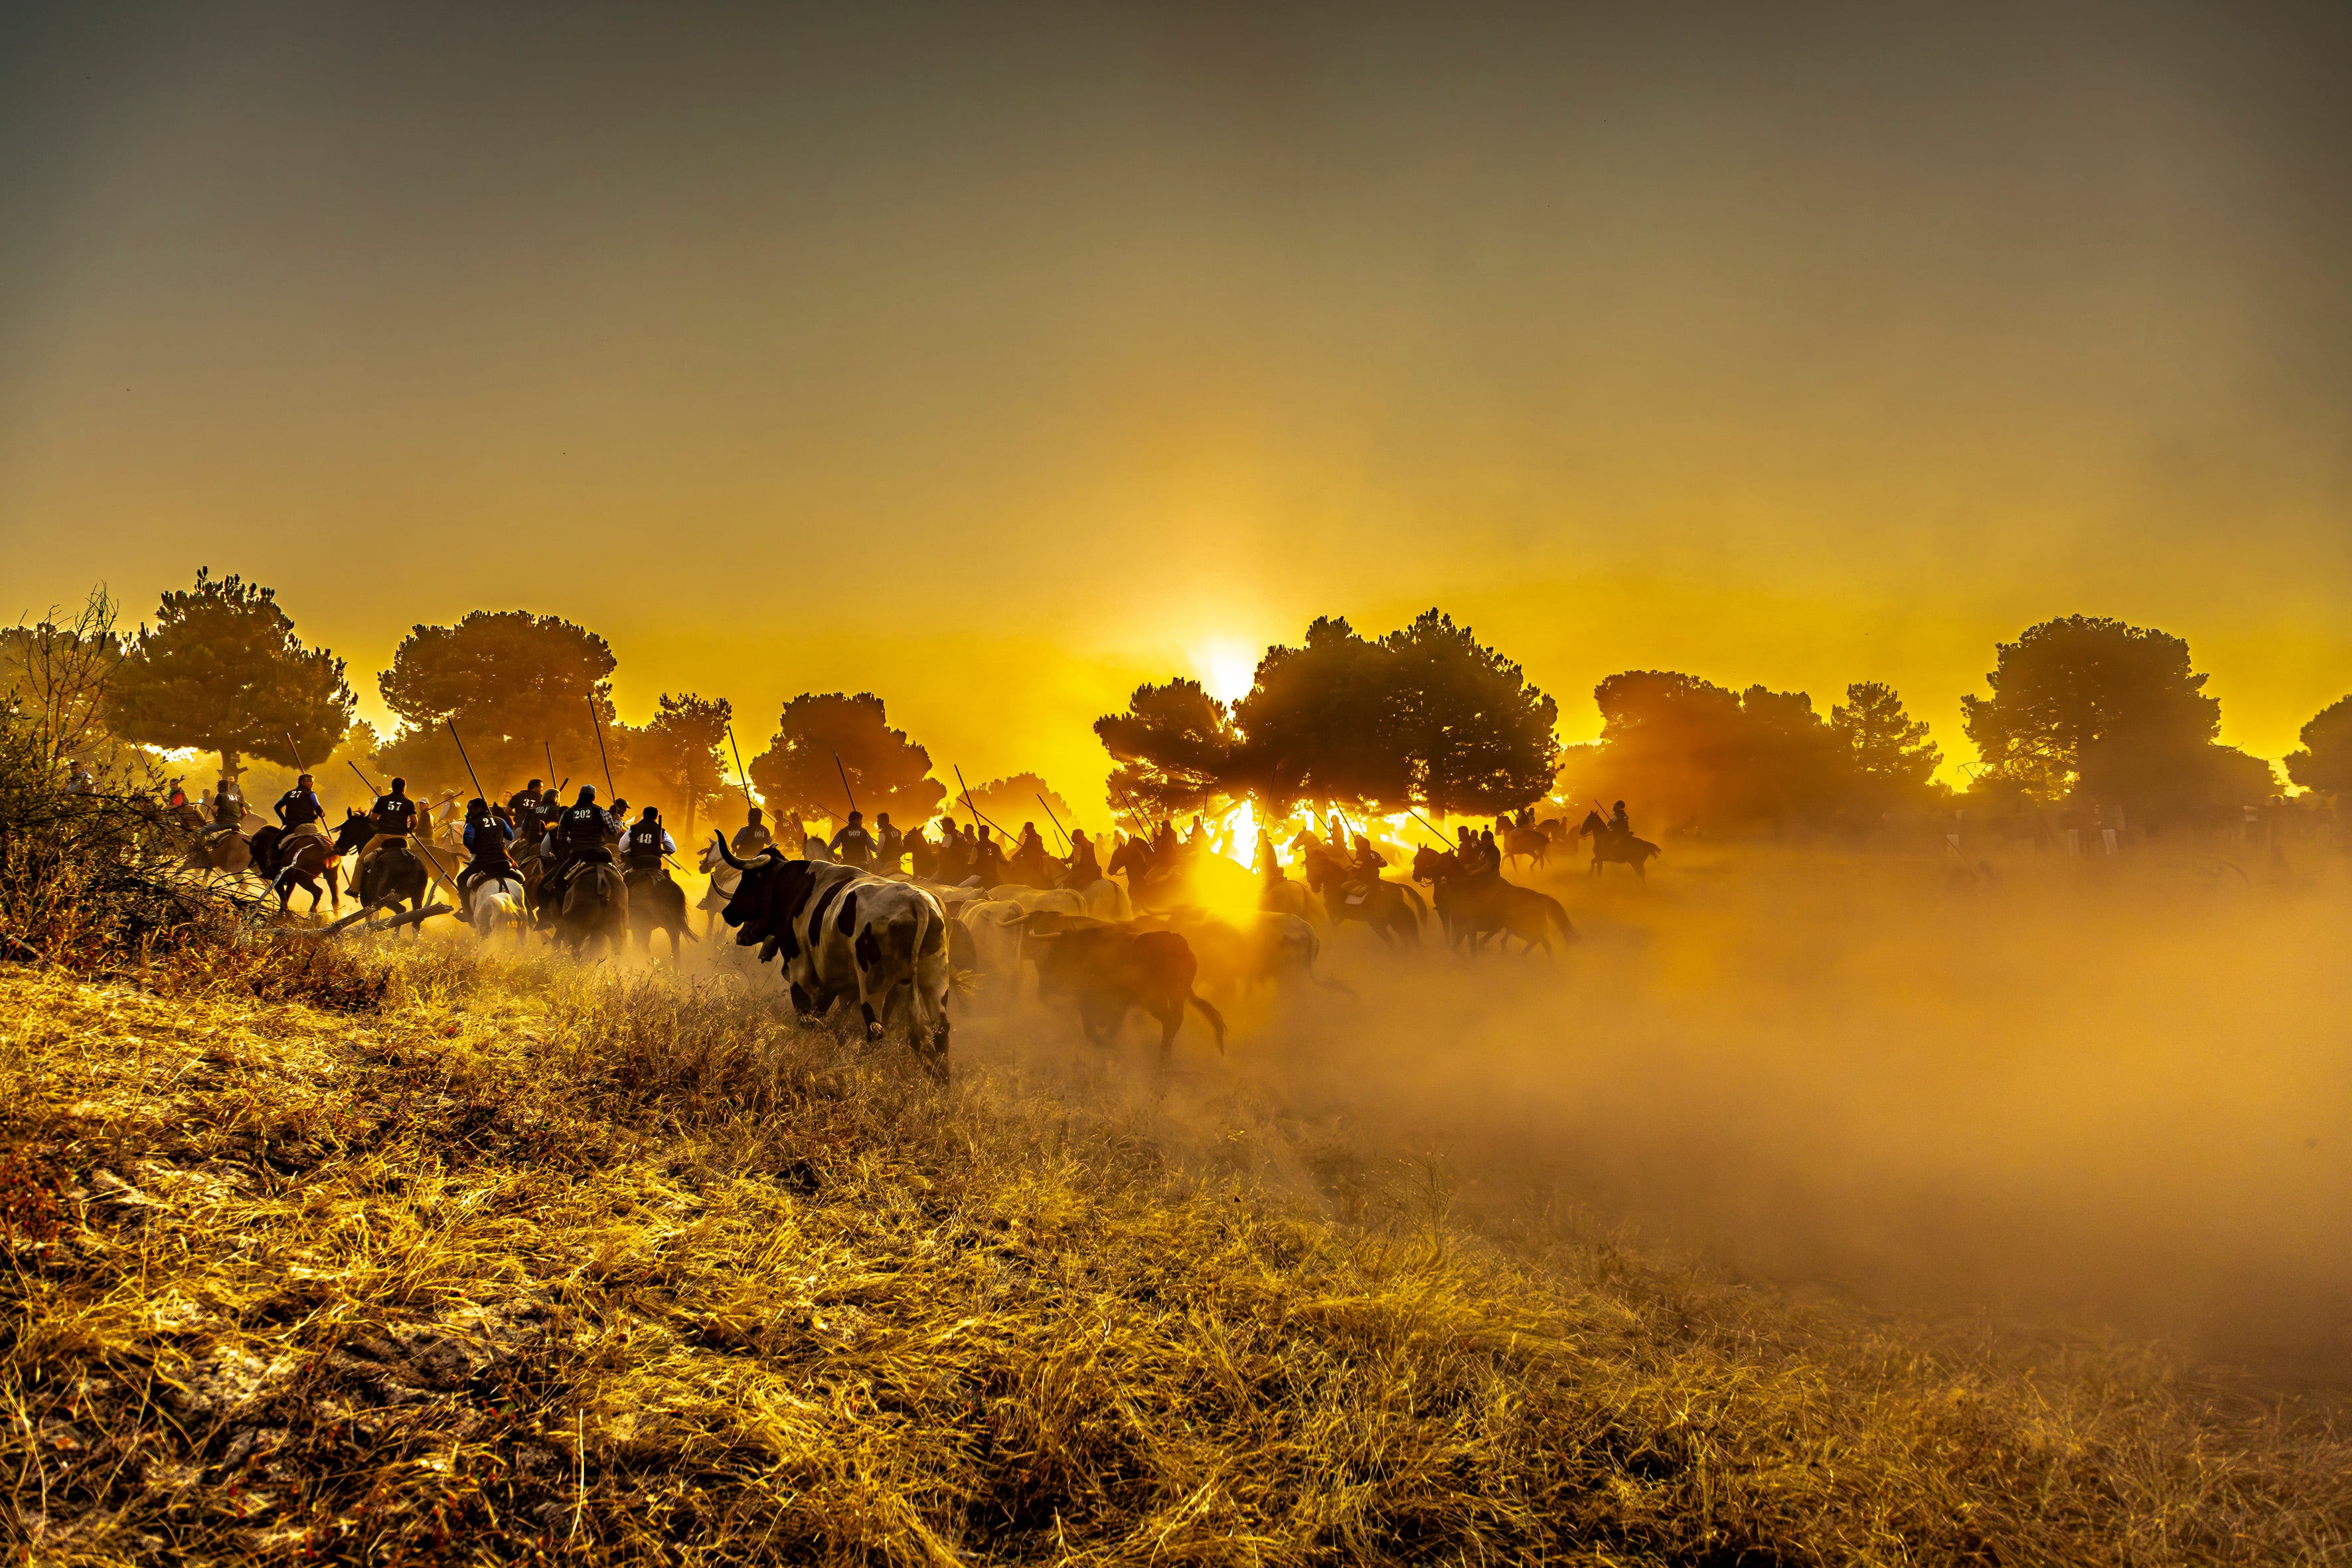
point(1887, 746)
point(223, 671)
point(1320, 722)
point(1474, 736)
point(1426, 714)
point(2325, 762)
point(2113, 715)
point(1688, 750)
point(2067, 688)
point(1174, 745)
point(519, 686)
point(887, 771)
point(681, 749)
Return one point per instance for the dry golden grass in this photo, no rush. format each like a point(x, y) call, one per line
point(498, 1260)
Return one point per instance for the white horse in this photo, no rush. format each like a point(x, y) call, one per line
point(495, 904)
point(724, 879)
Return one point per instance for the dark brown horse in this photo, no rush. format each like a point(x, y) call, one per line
point(657, 903)
point(391, 875)
point(305, 862)
point(595, 909)
point(1150, 883)
point(1608, 843)
point(1475, 907)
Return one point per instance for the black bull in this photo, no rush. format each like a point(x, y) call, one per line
point(843, 933)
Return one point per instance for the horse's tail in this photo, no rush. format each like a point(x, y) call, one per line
point(1558, 915)
point(1216, 1019)
point(1412, 901)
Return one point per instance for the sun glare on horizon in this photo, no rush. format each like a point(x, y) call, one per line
point(1227, 669)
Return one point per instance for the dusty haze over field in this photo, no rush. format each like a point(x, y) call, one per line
point(1802, 347)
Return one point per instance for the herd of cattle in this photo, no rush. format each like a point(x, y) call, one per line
point(895, 944)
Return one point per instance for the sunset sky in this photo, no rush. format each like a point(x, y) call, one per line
point(995, 357)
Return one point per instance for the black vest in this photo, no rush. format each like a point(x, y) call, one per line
point(645, 845)
point(584, 825)
point(297, 806)
point(396, 813)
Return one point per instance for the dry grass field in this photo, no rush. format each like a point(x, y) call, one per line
point(426, 1257)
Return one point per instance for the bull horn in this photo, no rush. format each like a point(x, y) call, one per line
point(720, 842)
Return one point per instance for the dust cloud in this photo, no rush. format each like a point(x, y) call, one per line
point(2106, 1095)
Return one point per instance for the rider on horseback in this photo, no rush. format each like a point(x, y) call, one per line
point(1619, 823)
point(581, 834)
point(642, 846)
point(854, 846)
point(487, 838)
point(889, 843)
point(1084, 869)
point(752, 838)
point(301, 815)
point(522, 804)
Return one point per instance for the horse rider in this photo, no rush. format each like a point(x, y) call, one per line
point(854, 846)
point(583, 833)
point(390, 822)
point(523, 804)
point(1084, 869)
point(300, 813)
point(958, 854)
point(752, 838)
point(487, 838)
point(987, 858)
point(1029, 857)
point(1619, 823)
point(1366, 863)
point(228, 808)
point(1267, 863)
point(889, 843)
point(642, 846)
point(1490, 855)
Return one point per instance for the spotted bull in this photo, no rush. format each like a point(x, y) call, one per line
point(843, 933)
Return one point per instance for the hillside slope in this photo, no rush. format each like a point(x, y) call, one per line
point(510, 1259)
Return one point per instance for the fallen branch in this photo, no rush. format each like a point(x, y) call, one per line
point(364, 919)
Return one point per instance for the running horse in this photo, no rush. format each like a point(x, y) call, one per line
point(1391, 910)
point(1474, 907)
point(1608, 843)
point(1150, 883)
point(391, 875)
point(302, 858)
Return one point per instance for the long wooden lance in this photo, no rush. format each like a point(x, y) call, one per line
point(550, 765)
point(296, 753)
point(1057, 822)
point(479, 790)
point(844, 780)
point(971, 808)
point(743, 780)
point(597, 721)
point(1432, 832)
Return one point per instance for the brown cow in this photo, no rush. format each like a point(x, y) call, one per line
point(1109, 969)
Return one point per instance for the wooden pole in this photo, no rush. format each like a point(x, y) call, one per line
point(595, 719)
point(844, 780)
point(468, 760)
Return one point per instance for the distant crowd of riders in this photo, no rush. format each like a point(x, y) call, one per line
point(533, 838)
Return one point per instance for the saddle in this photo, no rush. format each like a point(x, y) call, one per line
point(295, 837)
